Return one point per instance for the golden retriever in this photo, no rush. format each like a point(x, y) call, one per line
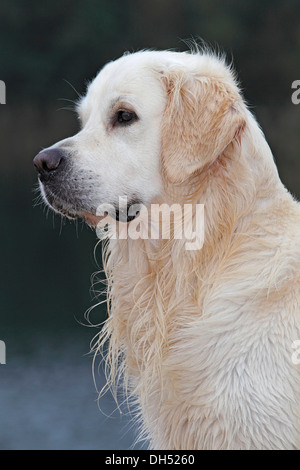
point(204, 339)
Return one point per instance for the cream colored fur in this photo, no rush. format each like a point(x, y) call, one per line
point(203, 339)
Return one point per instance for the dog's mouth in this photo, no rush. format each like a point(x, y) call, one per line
point(93, 220)
point(124, 215)
point(93, 217)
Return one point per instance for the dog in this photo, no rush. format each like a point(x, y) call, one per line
point(203, 339)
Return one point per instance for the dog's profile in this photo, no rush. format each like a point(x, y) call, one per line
point(204, 339)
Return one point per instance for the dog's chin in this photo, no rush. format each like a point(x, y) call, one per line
point(91, 219)
point(72, 214)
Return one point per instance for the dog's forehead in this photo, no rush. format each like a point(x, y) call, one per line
point(127, 75)
point(139, 70)
point(137, 76)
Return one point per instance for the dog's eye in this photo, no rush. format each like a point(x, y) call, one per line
point(126, 117)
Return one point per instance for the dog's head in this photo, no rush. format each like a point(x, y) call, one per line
point(147, 117)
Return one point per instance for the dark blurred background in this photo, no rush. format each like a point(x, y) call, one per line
point(48, 52)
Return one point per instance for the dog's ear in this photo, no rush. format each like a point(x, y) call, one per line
point(201, 119)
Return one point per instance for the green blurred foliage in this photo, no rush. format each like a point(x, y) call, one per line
point(43, 45)
point(43, 42)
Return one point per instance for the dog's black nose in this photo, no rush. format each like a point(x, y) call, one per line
point(47, 161)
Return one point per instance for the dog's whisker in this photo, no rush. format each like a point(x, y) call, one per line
point(73, 88)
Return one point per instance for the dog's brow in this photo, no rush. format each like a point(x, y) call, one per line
point(119, 99)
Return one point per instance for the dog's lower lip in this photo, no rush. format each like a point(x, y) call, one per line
point(92, 219)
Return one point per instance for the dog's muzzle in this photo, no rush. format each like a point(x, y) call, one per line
point(55, 174)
